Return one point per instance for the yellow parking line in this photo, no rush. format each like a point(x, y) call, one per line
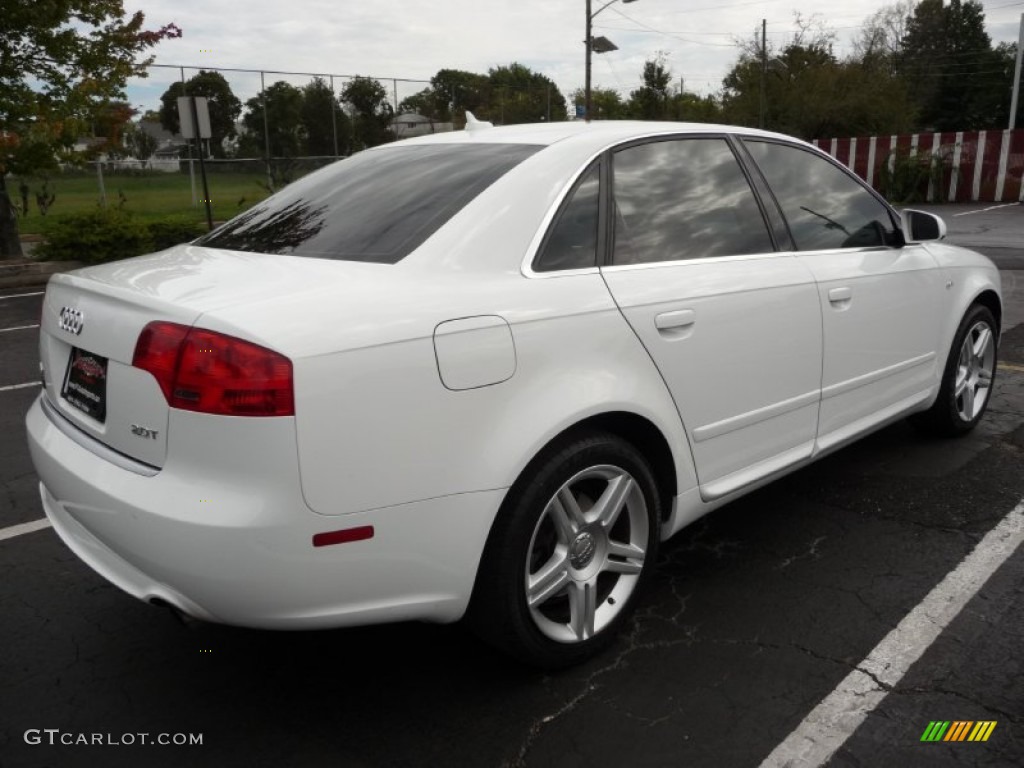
point(1011, 367)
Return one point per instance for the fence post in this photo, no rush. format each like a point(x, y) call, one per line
point(334, 118)
point(103, 189)
point(266, 131)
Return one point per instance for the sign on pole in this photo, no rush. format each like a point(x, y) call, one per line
point(192, 111)
point(188, 130)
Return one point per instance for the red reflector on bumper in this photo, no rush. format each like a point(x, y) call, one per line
point(343, 536)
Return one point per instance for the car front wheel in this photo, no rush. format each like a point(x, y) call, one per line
point(968, 378)
point(569, 552)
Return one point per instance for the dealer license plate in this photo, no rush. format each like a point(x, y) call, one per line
point(85, 383)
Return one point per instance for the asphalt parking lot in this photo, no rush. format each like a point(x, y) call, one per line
point(759, 618)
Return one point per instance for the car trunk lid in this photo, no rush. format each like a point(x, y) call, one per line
point(92, 319)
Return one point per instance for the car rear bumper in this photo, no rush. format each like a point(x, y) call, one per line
point(242, 552)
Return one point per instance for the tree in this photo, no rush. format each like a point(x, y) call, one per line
point(520, 95)
point(958, 80)
point(60, 61)
point(810, 93)
point(456, 91)
point(693, 108)
point(1005, 57)
point(881, 36)
point(426, 103)
point(223, 105)
point(110, 124)
point(318, 103)
point(606, 103)
point(650, 101)
point(139, 144)
point(283, 122)
point(371, 111)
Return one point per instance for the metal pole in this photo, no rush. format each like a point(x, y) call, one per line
point(103, 189)
point(586, 88)
point(202, 165)
point(266, 131)
point(1016, 76)
point(334, 118)
point(191, 165)
point(764, 70)
point(394, 87)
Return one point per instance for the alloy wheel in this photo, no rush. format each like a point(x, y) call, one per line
point(586, 553)
point(975, 370)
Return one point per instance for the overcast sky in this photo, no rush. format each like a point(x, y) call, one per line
point(413, 40)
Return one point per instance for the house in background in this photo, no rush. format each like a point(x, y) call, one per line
point(410, 124)
point(169, 146)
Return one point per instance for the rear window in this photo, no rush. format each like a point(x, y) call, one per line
point(376, 206)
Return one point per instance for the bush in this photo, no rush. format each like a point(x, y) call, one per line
point(110, 234)
point(101, 235)
point(905, 177)
point(173, 230)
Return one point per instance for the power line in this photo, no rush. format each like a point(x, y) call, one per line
point(724, 5)
point(670, 34)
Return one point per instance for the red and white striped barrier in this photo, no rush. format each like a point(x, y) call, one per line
point(979, 166)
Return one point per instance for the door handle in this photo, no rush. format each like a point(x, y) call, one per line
point(840, 295)
point(678, 319)
point(675, 325)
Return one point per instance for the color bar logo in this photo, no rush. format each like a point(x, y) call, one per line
point(958, 730)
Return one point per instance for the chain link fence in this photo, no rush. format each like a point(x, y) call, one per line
point(268, 129)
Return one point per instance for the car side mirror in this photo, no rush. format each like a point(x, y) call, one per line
point(921, 226)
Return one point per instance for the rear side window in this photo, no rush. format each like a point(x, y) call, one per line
point(375, 206)
point(824, 205)
point(684, 199)
point(572, 243)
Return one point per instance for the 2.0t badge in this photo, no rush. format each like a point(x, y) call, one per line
point(71, 320)
point(144, 431)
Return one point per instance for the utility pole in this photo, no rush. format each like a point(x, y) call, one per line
point(1014, 100)
point(589, 43)
point(764, 70)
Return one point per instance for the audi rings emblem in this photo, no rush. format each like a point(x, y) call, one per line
point(71, 320)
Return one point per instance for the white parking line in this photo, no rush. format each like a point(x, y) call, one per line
point(834, 720)
point(22, 295)
point(19, 328)
point(11, 387)
point(982, 210)
point(23, 528)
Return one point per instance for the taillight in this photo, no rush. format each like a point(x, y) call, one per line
point(209, 372)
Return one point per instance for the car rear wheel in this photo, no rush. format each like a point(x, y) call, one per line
point(969, 376)
point(569, 552)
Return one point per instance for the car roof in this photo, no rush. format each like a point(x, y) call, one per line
point(579, 131)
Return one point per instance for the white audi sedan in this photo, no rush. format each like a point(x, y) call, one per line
point(482, 374)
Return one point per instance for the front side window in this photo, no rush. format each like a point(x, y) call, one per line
point(378, 205)
point(825, 206)
point(572, 243)
point(684, 199)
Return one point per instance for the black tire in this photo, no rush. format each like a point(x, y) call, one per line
point(589, 594)
point(952, 415)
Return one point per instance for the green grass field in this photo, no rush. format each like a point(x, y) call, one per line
point(148, 197)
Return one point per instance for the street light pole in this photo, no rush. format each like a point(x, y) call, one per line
point(590, 45)
point(589, 42)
